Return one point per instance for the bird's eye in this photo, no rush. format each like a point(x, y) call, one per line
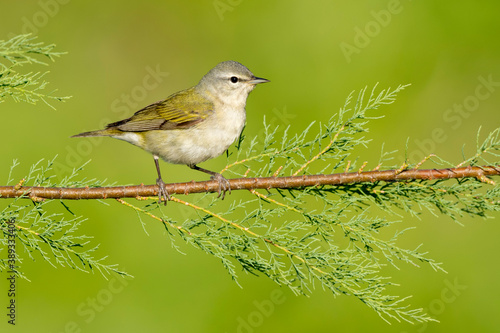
point(234, 79)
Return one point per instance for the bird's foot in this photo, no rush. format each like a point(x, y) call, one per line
point(162, 192)
point(224, 185)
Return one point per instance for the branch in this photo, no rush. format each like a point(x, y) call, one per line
point(318, 229)
point(292, 182)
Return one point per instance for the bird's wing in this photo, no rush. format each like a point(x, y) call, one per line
point(181, 110)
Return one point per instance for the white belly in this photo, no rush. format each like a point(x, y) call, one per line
point(194, 145)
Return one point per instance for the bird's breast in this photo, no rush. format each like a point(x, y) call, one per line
point(196, 144)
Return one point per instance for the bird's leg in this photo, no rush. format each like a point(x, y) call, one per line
point(162, 191)
point(223, 182)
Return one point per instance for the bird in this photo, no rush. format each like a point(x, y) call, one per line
point(193, 125)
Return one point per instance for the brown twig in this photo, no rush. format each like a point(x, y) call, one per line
point(41, 193)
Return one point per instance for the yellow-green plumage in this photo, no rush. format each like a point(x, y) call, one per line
point(180, 110)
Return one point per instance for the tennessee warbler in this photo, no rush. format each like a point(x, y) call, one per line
point(192, 125)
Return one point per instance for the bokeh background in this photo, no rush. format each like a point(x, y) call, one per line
point(314, 53)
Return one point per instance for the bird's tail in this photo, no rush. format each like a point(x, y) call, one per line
point(104, 132)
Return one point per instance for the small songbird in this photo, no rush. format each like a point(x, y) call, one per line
point(192, 125)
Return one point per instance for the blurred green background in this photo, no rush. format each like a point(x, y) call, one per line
point(314, 53)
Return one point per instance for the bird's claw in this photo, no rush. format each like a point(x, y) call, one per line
point(224, 185)
point(162, 192)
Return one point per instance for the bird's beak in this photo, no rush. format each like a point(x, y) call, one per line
point(257, 80)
